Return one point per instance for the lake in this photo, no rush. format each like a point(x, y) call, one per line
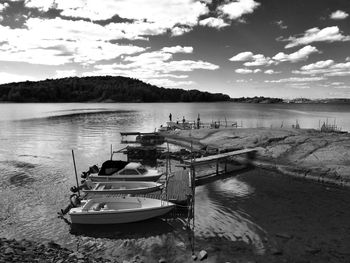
point(37, 173)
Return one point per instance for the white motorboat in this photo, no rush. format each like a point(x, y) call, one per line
point(130, 172)
point(121, 187)
point(116, 210)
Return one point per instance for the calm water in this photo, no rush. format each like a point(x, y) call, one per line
point(37, 171)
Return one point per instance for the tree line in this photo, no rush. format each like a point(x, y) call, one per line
point(100, 89)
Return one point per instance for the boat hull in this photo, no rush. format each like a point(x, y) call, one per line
point(147, 208)
point(143, 178)
point(126, 187)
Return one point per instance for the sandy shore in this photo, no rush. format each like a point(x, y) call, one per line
point(311, 154)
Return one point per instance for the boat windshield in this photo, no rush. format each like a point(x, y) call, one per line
point(129, 172)
point(142, 170)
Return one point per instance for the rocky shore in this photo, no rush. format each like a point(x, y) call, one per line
point(307, 153)
point(29, 251)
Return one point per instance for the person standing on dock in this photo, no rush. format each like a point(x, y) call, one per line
point(170, 117)
point(198, 121)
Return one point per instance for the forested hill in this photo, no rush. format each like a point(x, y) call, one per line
point(100, 89)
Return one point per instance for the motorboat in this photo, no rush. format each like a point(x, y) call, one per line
point(124, 171)
point(117, 210)
point(121, 187)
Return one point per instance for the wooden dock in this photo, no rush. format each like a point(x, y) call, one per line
point(218, 157)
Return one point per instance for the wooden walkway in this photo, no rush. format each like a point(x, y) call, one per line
point(218, 157)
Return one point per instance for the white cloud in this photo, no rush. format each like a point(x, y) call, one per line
point(259, 60)
point(281, 24)
point(327, 34)
point(237, 9)
point(342, 87)
point(318, 65)
point(169, 83)
point(10, 77)
point(166, 13)
point(247, 71)
point(301, 54)
point(177, 49)
point(327, 68)
point(298, 86)
point(339, 15)
point(243, 56)
point(213, 22)
point(65, 73)
point(58, 42)
point(180, 30)
point(156, 67)
point(271, 71)
point(3, 6)
point(347, 59)
point(294, 79)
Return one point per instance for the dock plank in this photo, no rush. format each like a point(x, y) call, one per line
point(219, 156)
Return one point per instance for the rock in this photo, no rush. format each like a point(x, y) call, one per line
point(202, 255)
point(181, 245)
point(194, 257)
point(162, 260)
point(276, 251)
point(79, 255)
point(312, 250)
point(125, 261)
point(52, 244)
point(284, 235)
point(59, 261)
point(8, 251)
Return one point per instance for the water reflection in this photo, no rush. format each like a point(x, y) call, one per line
point(218, 213)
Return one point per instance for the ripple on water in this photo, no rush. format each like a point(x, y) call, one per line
point(218, 214)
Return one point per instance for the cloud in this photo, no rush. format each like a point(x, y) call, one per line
point(243, 56)
point(10, 77)
point(252, 60)
point(65, 73)
point(281, 24)
point(58, 41)
point(177, 49)
point(169, 83)
point(247, 71)
point(318, 65)
point(259, 60)
point(180, 30)
point(168, 13)
point(237, 9)
point(3, 6)
point(271, 71)
point(339, 15)
point(213, 22)
point(295, 79)
point(301, 54)
point(156, 67)
point(327, 34)
point(326, 68)
point(347, 59)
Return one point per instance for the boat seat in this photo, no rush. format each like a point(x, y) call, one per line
point(101, 187)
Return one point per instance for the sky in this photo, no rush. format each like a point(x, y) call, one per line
point(275, 48)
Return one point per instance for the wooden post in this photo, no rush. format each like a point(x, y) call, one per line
point(76, 174)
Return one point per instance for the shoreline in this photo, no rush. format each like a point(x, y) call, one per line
point(301, 153)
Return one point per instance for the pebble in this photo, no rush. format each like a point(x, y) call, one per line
point(202, 255)
point(8, 251)
point(162, 260)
